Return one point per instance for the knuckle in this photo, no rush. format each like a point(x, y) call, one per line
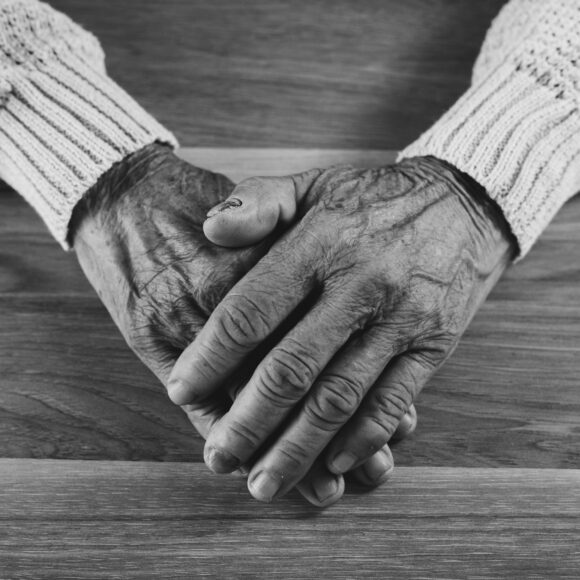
point(407, 426)
point(294, 454)
point(334, 401)
point(245, 433)
point(430, 352)
point(390, 405)
point(242, 323)
point(287, 375)
point(387, 424)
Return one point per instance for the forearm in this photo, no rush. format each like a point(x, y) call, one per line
point(63, 121)
point(516, 131)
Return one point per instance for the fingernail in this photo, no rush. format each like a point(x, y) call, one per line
point(407, 425)
point(179, 392)
point(230, 203)
point(242, 472)
point(325, 489)
point(380, 468)
point(264, 486)
point(220, 461)
point(343, 462)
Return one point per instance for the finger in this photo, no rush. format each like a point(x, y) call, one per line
point(377, 469)
point(254, 308)
point(332, 401)
point(319, 482)
point(203, 416)
point(381, 412)
point(250, 313)
point(320, 487)
point(281, 380)
point(160, 358)
point(407, 425)
point(255, 208)
point(203, 419)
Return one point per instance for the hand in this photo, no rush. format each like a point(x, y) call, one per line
point(138, 237)
point(388, 267)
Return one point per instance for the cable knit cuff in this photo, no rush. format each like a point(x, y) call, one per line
point(63, 123)
point(519, 139)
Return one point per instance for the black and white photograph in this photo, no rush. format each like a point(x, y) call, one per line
point(289, 289)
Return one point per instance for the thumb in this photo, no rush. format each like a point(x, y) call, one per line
point(256, 207)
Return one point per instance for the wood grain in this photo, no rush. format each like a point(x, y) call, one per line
point(70, 388)
point(330, 73)
point(142, 520)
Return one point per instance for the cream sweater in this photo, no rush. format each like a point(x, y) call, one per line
point(517, 129)
point(64, 122)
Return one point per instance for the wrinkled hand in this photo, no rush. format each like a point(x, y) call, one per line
point(138, 237)
point(390, 266)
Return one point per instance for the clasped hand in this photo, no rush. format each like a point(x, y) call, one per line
point(360, 299)
point(138, 237)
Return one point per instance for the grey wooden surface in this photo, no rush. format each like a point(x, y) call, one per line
point(300, 73)
point(78, 519)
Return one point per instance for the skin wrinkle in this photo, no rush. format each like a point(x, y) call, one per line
point(267, 388)
point(343, 305)
point(179, 323)
point(209, 357)
point(334, 382)
point(295, 366)
point(294, 373)
point(343, 396)
point(422, 358)
point(235, 329)
point(393, 405)
point(386, 421)
point(169, 307)
point(295, 256)
point(262, 330)
point(242, 431)
point(268, 382)
point(296, 454)
point(97, 266)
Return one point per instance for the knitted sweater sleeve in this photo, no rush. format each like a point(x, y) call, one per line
point(517, 128)
point(63, 121)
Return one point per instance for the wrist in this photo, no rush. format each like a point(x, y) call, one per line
point(102, 199)
point(490, 230)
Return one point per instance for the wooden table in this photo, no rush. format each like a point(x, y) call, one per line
point(81, 519)
point(487, 486)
